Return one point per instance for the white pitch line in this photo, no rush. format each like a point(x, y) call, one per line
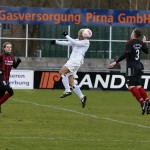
point(73, 139)
point(85, 114)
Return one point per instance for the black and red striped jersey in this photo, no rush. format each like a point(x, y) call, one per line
point(133, 51)
point(7, 61)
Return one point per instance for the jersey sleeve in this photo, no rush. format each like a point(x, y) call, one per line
point(127, 50)
point(121, 58)
point(77, 42)
point(64, 43)
point(15, 63)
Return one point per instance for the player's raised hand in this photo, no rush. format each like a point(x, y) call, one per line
point(144, 38)
point(65, 33)
point(19, 60)
point(53, 42)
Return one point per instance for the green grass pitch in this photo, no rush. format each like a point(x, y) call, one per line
point(40, 120)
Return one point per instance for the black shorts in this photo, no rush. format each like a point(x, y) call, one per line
point(4, 86)
point(133, 76)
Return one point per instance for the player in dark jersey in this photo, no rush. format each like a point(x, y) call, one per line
point(134, 68)
point(7, 61)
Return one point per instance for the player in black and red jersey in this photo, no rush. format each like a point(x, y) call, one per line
point(7, 61)
point(134, 68)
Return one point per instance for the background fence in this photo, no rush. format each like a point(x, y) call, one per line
point(34, 40)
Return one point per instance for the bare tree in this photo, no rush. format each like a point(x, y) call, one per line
point(94, 4)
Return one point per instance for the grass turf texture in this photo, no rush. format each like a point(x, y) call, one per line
point(40, 120)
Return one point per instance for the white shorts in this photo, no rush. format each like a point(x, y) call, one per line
point(73, 66)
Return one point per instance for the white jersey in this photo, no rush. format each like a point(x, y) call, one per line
point(79, 48)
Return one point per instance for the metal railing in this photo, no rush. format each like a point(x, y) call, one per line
point(97, 52)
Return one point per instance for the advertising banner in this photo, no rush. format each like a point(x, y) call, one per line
point(68, 16)
point(87, 80)
point(21, 79)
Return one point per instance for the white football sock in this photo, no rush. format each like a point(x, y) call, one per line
point(77, 90)
point(65, 82)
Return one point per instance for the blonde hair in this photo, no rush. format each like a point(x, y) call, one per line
point(80, 31)
point(4, 45)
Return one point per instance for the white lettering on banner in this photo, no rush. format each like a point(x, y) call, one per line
point(114, 78)
point(103, 83)
point(146, 81)
point(21, 79)
point(112, 82)
point(86, 81)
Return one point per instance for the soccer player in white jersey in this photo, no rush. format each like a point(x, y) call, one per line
point(69, 70)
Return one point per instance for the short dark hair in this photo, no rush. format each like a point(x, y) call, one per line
point(138, 33)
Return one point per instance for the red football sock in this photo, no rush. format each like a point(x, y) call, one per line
point(143, 93)
point(4, 98)
point(137, 95)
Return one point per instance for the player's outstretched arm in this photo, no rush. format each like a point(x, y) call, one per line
point(73, 41)
point(144, 38)
point(145, 48)
point(64, 43)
